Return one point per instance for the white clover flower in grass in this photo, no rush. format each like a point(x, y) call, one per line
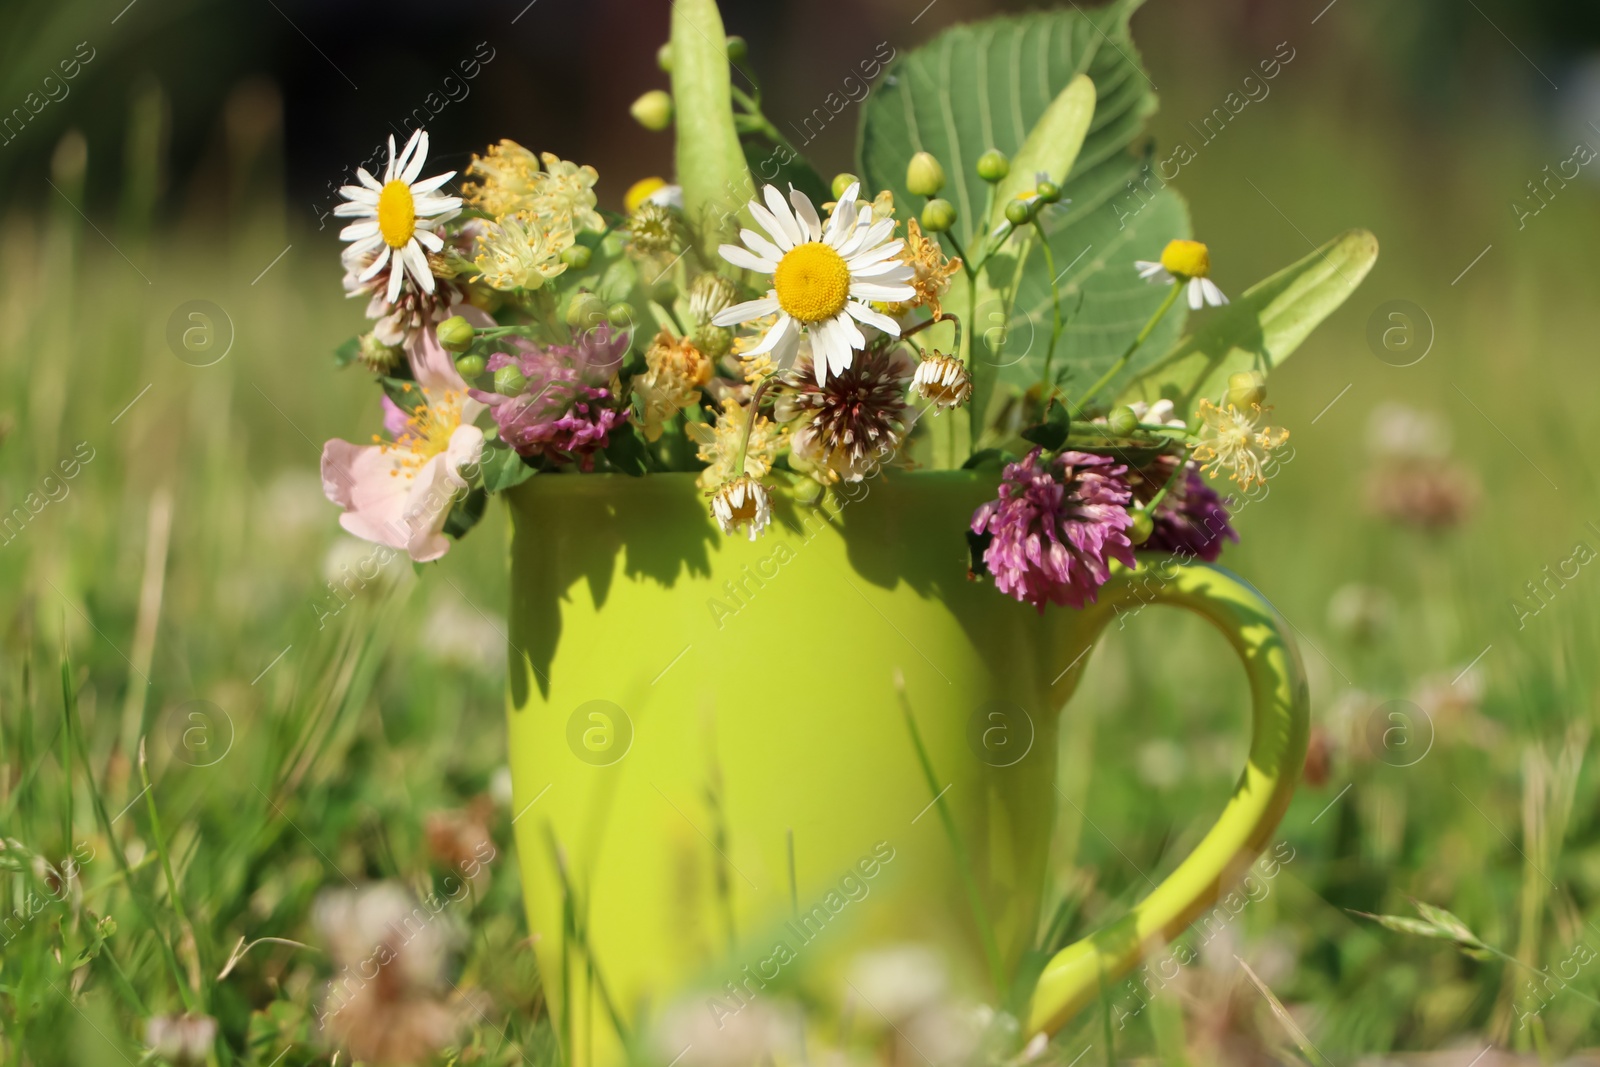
point(397, 218)
point(823, 277)
point(1184, 262)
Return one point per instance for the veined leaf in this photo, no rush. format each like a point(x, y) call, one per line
point(710, 161)
point(1264, 325)
point(986, 85)
point(989, 85)
point(1051, 147)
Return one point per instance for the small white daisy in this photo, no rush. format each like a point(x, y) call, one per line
point(1184, 261)
point(398, 218)
point(823, 277)
point(743, 502)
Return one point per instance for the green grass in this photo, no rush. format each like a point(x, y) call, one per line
point(188, 560)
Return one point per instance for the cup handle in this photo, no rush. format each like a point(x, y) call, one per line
point(1073, 978)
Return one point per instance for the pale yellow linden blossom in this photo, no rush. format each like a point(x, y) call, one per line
point(568, 189)
point(514, 254)
point(719, 445)
point(507, 181)
point(757, 369)
point(676, 371)
point(1229, 440)
point(503, 181)
point(931, 272)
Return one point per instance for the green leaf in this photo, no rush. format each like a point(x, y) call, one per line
point(1094, 256)
point(986, 85)
point(404, 393)
point(346, 353)
point(991, 85)
point(711, 165)
point(1262, 326)
point(1051, 148)
point(626, 452)
point(466, 513)
point(503, 468)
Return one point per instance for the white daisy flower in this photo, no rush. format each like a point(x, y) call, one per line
point(823, 277)
point(742, 502)
point(398, 218)
point(1184, 261)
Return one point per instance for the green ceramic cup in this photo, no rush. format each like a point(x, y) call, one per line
point(716, 785)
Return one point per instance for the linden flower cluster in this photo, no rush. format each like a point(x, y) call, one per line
point(527, 321)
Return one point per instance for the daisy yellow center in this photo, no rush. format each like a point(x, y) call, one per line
point(1186, 259)
point(812, 282)
point(397, 214)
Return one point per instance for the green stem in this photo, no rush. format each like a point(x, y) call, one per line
point(755, 410)
point(1144, 334)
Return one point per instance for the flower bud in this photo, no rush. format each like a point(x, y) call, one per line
point(508, 380)
point(1018, 212)
point(924, 175)
point(585, 310)
point(653, 110)
point(938, 215)
point(993, 165)
point(737, 49)
point(376, 356)
point(577, 257)
point(620, 314)
point(1048, 191)
point(470, 367)
point(1141, 528)
point(664, 57)
point(1246, 388)
point(714, 342)
point(842, 181)
point(1122, 421)
point(455, 334)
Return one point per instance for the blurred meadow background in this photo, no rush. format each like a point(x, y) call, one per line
point(221, 724)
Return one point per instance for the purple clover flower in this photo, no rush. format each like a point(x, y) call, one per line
point(1056, 527)
point(568, 409)
point(1191, 520)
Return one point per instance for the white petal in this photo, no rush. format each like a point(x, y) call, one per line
point(872, 317)
point(429, 240)
point(434, 205)
point(417, 265)
point(779, 235)
point(780, 212)
point(388, 170)
point(740, 257)
point(375, 266)
point(357, 230)
point(368, 180)
point(774, 336)
point(878, 291)
point(358, 251)
point(397, 276)
point(428, 185)
point(784, 351)
point(360, 194)
point(806, 212)
point(852, 335)
point(1197, 294)
point(745, 312)
point(892, 270)
point(760, 245)
point(1214, 296)
point(887, 250)
point(868, 238)
point(409, 165)
point(842, 221)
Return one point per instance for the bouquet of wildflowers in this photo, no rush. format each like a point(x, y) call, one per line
point(1003, 286)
